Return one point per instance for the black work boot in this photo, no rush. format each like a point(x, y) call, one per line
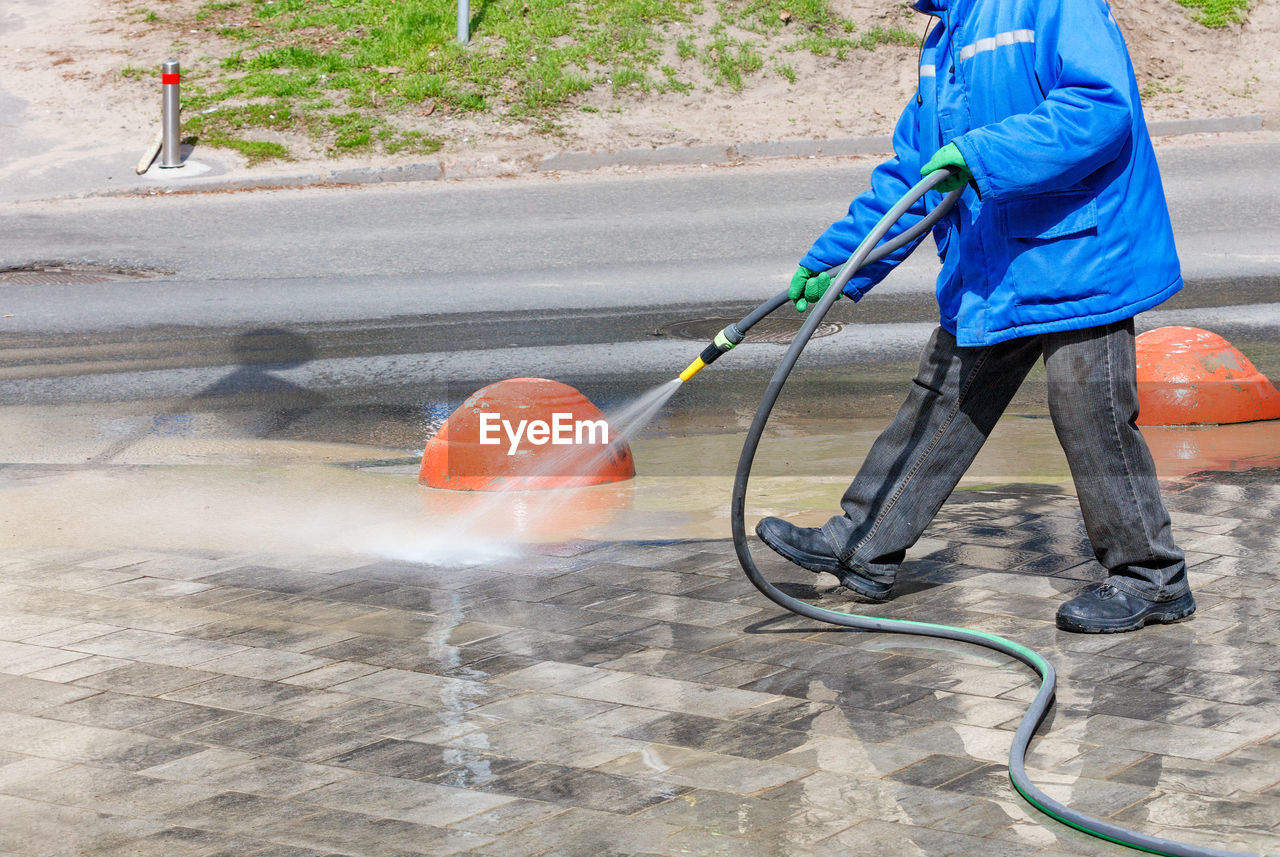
point(809, 547)
point(1104, 609)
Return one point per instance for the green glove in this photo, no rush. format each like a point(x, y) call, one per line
point(948, 156)
point(807, 287)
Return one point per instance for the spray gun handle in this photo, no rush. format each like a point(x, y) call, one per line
point(724, 341)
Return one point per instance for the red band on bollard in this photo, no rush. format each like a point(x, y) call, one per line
point(168, 79)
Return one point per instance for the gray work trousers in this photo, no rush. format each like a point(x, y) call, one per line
point(955, 401)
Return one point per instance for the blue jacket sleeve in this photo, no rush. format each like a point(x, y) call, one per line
point(1082, 123)
point(889, 182)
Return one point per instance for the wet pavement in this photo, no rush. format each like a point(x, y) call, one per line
point(231, 623)
point(610, 698)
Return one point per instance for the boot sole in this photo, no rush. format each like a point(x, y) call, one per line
point(1160, 617)
point(849, 579)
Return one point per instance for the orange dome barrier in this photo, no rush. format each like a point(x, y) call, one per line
point(526, 517)
point(525, 434)
point(1189, 376)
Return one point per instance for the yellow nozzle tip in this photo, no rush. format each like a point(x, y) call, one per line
point(694, 368)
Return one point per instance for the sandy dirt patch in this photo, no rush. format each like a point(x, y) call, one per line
point(66, 81)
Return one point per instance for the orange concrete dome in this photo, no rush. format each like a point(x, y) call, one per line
point(525, 434)
point(1189, 376)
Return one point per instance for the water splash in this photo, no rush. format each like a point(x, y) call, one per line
point(627, 422)
point(624, 424)
point(510, 512)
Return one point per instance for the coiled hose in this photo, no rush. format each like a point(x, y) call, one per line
point(867, 252)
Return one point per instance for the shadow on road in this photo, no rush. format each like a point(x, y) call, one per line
point(272, 402)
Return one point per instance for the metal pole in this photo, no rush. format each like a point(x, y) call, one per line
point(171, 148)
point(464, 21)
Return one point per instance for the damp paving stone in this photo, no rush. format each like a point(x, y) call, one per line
point(546, 645)
point(409, 760)
point(302, 706)
point(20, 658)
point(292, 740)
point(700, 769)
point(867, 797)
point(548, 708)
point(879, 837)
point(676, 635)
point(512, 814)
point(727, 737)
point(77, 669)
point(935, 770)
point(115, 711)
point(398, 685)
point(529, 616)
point(542, 742)
point(329, 830)
point(152, 647)
point(482, 666)
point(400, 799)
point(39, 828)
point(273, 777)
point(177, 842)
point(269, 579)
point(238, 693)
point(583, 788)
point(1257, 813)
point(110, 791)
point(412, 656)
point(24, 695)
point(191, 718)
point(580, 832)
point(851, 755)
point(845, 690)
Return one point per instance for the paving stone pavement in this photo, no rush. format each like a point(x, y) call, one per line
point(633, 699)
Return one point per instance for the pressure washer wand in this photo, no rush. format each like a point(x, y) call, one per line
point(730, 336)
point(726, 339)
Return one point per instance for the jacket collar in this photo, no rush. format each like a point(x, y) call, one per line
point(931, 7)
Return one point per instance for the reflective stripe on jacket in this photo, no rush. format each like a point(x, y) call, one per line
point(1070, 228)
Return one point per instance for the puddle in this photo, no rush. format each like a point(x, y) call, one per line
point(68, 479)
point(1183, 450)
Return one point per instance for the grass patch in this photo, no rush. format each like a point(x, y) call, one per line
point(815, 26)
point(672, 82)
point(373, 59)
point(354, 74)
point(726, 60)
point(254, 151)
point(772, 16)
point(841, 45)
point(1218, 13)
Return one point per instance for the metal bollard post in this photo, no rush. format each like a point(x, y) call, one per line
point(464, 21)
point(171, 148)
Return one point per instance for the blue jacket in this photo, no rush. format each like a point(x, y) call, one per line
point(1070, 228)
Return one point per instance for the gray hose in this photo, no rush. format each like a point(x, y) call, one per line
point(1044, 698)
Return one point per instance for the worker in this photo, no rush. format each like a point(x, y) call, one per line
point(1060, 237)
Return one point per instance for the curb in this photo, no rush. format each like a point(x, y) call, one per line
point(1212, 125)
point(660, 156)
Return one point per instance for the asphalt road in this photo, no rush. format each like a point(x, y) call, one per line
point(422, 292)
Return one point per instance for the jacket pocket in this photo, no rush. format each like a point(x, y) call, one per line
point(1052, 245)
point(1050, 215)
